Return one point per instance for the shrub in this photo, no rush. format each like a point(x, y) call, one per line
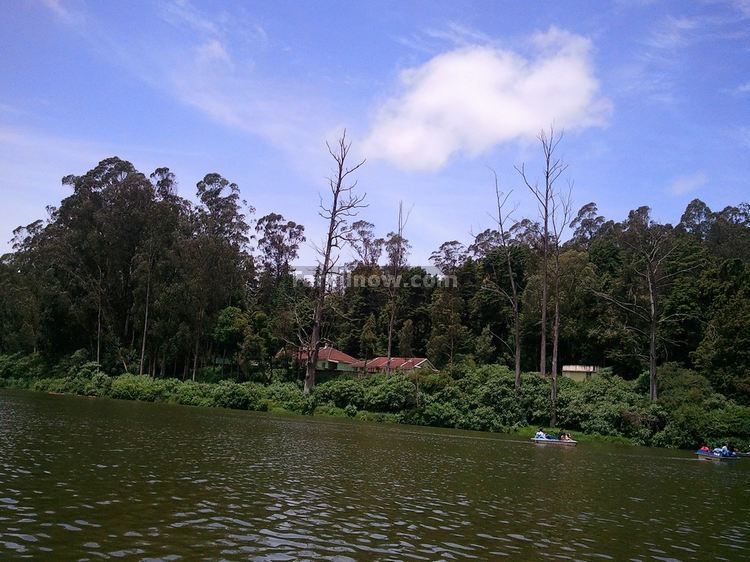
point(143, 387)
point(438, 414)
point(389, 393)
point(99, 384)
point(247, 396)
point(342, 392)
point(191, 393)
point(23, 367)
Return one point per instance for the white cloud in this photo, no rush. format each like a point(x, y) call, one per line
point(212, 51)
point(674, 33)
point(742, 89)
point(472, 98)
point(687, 184)
point(64, 12)
point(57, 7)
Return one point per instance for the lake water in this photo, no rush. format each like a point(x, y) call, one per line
point(90, 479)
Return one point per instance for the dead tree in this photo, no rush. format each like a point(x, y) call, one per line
point(344, 204)
point(560, 217)
point(512, 295)
point(553, 169)
point(396, 265)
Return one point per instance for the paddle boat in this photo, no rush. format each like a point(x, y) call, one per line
point(550, 440)
point(716, 455)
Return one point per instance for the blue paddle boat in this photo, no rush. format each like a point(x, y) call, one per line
point(550, 440)
point(716, 455)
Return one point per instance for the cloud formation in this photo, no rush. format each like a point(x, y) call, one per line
point(687, 184)
point(473, 98)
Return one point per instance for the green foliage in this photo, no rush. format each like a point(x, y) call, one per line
point(164, 285)
point(142, 387)
point(21, 366)
point(247, 396)
point(342, 393)
point(483, 398)
point(389, 393)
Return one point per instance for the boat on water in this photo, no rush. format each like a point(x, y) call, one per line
point(554, 441)
point(715, 456)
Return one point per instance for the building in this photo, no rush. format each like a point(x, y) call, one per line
point(380, 364)
point(330, 359)
point(579, 372)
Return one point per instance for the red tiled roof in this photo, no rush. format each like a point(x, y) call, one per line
point(381, 363)
point(324, 354)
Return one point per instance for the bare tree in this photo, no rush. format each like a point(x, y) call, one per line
point(397, 248)
point(512, 296)
point(343, 205)
point(553, 169)
point(560, 217)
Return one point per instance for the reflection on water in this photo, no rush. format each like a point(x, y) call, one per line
point(90, 479)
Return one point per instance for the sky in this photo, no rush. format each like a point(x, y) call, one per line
point(653, 98)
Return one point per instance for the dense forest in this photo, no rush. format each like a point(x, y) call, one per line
point(132, 276)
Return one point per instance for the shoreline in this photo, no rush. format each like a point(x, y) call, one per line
point(363, 416)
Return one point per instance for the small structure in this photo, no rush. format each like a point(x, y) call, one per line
point(380, 364)
point(579, 372)
point(330, 359)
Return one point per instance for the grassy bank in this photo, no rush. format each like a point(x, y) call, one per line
point(483, 398)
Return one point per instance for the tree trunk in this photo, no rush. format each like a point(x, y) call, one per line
point(312, 352)
point(553, 386)
point(391, 321)
point(343, 205)
point(99, 332)
point(395, 283)
point(653, 325)
point(652, 365)
point(145, 322)
point(516, 340)
point(513, 297)
point(195, 354)
point(99, 320)
point(543, 342)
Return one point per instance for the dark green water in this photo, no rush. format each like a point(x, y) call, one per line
point(91, 479)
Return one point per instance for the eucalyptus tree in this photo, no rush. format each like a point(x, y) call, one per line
point(449, 257)
point(648, 271)
point(278, 242)
point(366, 246)
point(216, 251)
point(586, 225)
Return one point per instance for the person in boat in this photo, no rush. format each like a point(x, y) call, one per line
point(726, 451)
point(704, 449)
point(540, 434)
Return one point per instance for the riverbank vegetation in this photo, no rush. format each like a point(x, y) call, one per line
point(482, 398)
point(127, 289)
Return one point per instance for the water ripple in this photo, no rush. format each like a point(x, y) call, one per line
point(90, 479)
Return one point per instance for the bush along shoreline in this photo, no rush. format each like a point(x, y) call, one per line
point(689, 412)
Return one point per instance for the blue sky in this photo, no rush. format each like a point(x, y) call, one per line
point(654, 98)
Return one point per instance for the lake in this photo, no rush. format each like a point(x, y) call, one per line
point(93, 478)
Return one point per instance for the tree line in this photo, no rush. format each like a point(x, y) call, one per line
point(142, 280)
